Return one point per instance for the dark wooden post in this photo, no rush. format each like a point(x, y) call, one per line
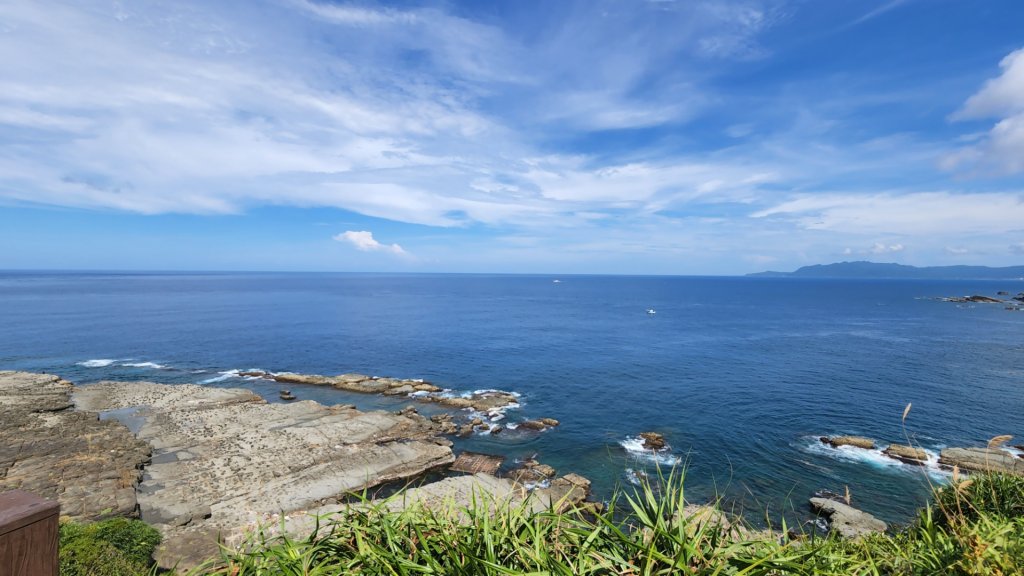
point(28, 535)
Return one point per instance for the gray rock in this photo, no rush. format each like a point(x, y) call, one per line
point(846, 520)
point(981, 460)
point(90, 466)
point(252, 460)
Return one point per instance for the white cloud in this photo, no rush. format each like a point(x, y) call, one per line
point(917, 213)
point(881, 248)
point(363, 240)
point(957, 250)
point(1017, 249)
point(1002, 150)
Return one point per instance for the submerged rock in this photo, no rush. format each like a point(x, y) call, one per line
point(846, 520)
point(856, 441)
point(907, 454)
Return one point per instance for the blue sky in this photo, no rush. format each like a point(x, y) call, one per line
point(619, 136)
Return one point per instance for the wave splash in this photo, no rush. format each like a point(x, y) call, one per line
point(98, 363)
point(875, 458)
point(634, 446)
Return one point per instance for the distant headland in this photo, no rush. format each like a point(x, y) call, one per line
point(863, 269)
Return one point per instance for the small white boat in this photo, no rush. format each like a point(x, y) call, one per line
point(651, 311)
point(556, 281)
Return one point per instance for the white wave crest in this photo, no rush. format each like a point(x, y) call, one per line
point(875, 458)
point(635, 447)
point(222, 377)
point(99, 363)
point(152, 365)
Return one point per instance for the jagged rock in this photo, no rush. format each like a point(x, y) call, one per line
point(247, 459)
point(846, 520)
point(532, 425)
point(549, 422)
point(653, 440)
point(532, 471)
point(857, 441)
point(497, 429)
point(981, 460)
point(90, 466)
point(907, 454)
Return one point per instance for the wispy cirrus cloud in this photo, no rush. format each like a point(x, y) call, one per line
point(597, 128)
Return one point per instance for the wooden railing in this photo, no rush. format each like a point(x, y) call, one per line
point(28, 535)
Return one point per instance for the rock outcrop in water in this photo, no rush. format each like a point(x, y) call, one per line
point(653, 441)
point(856, 441)
point(481, 401)
point(907, 454)
point(981, 460)
point(90, 466)
point(225, 459)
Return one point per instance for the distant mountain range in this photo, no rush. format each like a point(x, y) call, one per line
point(878, 270)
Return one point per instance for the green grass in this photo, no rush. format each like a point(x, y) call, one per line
point(975, 527)
point(115, 547)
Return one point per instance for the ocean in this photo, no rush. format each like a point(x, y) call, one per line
point(741, 375)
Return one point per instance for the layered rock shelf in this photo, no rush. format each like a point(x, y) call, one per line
point(225, 459)
point(89, 465)
point(481, 401)
point(846, 520)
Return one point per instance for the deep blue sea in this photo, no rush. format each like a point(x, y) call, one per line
point(740, 374)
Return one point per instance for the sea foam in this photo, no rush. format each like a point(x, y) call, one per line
point(226, 375)
point(634, 446)
point(875, 458)
point(100, 363)
point(152, 365)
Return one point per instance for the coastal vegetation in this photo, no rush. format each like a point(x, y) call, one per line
point(974, 526)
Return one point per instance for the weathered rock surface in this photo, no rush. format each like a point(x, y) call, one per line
point(453, 496)
point(653, 440)
point(90, 466)
point(982, 460)
point(846, 520)
point(225, 459)
point(532, 471)
point(538, 424)
point(482, 401)
point(857, 441)
point(907, 454)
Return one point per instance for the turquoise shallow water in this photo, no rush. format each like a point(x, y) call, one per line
point(740, 374)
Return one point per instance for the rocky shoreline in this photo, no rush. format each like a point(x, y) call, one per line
point(205, 465)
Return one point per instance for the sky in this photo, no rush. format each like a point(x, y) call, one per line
point(518, 136)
